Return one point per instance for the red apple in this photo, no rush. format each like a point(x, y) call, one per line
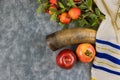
point(66, 59)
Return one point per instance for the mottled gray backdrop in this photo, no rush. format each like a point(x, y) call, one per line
point(24, 54)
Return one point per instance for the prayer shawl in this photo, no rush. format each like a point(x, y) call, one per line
point(106, 65)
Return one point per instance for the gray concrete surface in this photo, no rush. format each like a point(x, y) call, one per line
point(24, 54)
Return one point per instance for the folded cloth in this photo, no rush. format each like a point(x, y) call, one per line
point(106, 65)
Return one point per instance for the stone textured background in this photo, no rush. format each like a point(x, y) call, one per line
point(24, 54)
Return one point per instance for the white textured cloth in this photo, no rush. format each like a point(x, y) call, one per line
point(106, 65)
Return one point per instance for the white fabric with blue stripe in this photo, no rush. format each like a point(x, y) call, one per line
point(106, 65)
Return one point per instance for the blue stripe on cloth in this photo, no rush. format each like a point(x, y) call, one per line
point(108, 43)
point(106, 69)
point(108, 57)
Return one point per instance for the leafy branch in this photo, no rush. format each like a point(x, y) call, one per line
point(90, 14)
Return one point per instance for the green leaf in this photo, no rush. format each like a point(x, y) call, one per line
point(39, 9)
point(97, 11)
point(61, 11)
point(82, 22)
point(102, 17)
point(83, 6)
point(52, 10)
point(53, 17)
point(89, 3)
point(42, 7)
point(94, 23)
point(61, 5)
point(85, 14)
point(45, 5)
point(44, 1)
point(39, 1)
point(71, 3)
point(93, 16)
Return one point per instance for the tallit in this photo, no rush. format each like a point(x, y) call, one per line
point(106, 65)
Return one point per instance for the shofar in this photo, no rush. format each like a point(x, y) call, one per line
point(70, 36)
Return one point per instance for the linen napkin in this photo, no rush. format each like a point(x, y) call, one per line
point(106, 65)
